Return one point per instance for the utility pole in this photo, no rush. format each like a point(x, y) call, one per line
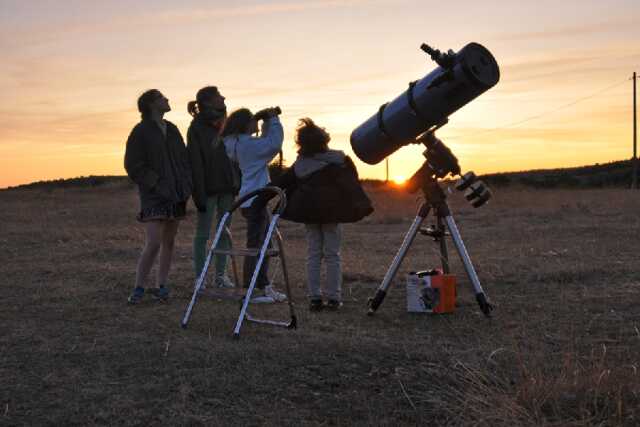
point(387, 168)
point(634, 179)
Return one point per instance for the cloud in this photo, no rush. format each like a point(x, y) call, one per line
point(559, 64)
point(195, 15)
point(548, 134)
point(17, 35)
point(55, 129)
point(569, 31)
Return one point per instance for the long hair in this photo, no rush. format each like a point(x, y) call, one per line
point(204, 97)
point(145, 100)
point(237, 122)
point(311, 138)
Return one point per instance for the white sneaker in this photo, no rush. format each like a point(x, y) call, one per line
point(223, 281)
point(259, 296)
point(270, 291)
point(262, 300)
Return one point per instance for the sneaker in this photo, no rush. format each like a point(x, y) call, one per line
point(136, 296)
point(223, 281)
point(270, 291)
point(333, 304)
point(259, 296)
point(315, 304)
point(160, 294)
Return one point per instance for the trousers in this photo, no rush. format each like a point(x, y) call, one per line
point(217, 205)
point(323, 242)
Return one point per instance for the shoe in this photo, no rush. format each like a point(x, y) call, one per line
point(160, 294)
point(333, 304)
point(315, 304)
point(259, 296)
point(224, 282)
point(136, 296)
point(270, 291)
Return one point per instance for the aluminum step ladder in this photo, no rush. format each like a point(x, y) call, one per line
point(261, 253)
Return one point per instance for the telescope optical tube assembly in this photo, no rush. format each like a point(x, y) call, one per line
point(427, 102)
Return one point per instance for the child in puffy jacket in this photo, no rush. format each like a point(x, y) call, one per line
point(323, 191)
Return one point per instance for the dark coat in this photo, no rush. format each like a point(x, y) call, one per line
point(331, 194)
point(158, 164)
point(210, 165)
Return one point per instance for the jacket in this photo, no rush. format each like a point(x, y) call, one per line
point(211, 167)
point(254, 154)
point(324, 189)
point(159, 164)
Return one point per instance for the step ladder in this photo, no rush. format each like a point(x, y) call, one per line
point(262, 252)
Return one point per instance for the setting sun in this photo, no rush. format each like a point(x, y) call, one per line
point(399, 180)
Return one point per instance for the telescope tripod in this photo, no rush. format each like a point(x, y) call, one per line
point(435, 200)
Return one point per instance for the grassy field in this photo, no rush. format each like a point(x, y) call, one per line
point(563, 347)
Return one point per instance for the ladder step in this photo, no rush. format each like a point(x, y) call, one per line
point(245, 252)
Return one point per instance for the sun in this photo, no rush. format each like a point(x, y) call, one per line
point(399, 180)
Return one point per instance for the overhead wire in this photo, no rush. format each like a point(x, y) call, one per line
point(537, 116)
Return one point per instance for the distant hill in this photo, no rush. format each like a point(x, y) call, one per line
point(614, 174)
point(78, 182)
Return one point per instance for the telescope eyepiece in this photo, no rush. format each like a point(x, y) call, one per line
point(428, 49)
point(446, 60)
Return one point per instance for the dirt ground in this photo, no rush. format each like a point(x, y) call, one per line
point(563, 346)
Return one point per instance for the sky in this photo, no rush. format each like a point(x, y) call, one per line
point(72, 71)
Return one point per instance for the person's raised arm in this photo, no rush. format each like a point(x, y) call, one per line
point(271, 137)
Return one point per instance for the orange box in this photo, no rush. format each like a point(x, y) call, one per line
point(446, 283)
point(431, 293)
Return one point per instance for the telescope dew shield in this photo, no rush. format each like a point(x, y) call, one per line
point(426, 103)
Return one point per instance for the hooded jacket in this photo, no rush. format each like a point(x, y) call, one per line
point(210, 165)
point(159, 164)
point(323, 189)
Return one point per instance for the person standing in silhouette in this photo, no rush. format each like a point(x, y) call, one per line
point(156, 160)
point(214, 182)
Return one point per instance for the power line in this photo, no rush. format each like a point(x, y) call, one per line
point(537, 116)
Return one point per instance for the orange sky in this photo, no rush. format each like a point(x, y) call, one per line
point(71, 75)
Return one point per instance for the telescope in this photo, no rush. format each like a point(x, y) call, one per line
point(412, 118)
point(427, 103)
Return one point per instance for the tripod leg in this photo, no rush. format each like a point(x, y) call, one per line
point(205, 268)
point(381, 293)
point(444, 253)
point(485, 305)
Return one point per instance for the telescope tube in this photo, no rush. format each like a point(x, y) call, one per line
point(426, 103)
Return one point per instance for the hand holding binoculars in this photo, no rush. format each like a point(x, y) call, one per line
point(266, 113)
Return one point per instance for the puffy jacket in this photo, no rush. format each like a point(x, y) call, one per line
point(323, 189)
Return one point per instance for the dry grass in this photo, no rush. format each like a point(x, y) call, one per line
point(562, 349)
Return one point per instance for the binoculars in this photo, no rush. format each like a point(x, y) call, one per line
point(265, 113)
